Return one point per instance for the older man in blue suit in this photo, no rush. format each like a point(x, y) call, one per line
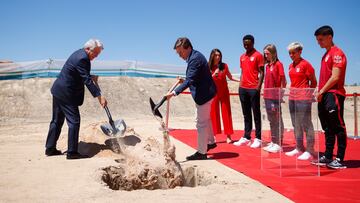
point(203, 89)
point(68, 95)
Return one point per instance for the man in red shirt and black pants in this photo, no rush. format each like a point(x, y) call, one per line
point(331, 98)
point(252, 75)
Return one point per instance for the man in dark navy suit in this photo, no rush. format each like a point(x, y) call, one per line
point(68, 95)
point(203, 89)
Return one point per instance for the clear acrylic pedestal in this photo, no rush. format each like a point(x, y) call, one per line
point(290, 121)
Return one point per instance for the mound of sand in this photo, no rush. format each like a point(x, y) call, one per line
point(143, 163)
point(127, 96)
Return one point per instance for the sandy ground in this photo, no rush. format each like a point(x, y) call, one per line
point(28, 175)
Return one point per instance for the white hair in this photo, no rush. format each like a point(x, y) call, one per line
point(92, 43)
point(295, 46)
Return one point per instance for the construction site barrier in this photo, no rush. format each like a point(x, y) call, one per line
point(355, 136)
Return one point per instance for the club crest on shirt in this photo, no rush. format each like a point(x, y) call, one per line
point(298, 69)
point(252, 58)
point(337, 59)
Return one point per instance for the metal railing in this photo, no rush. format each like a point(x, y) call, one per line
point(355, 136)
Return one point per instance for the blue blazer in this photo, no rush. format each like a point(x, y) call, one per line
point(198, 79)
point(69, 86)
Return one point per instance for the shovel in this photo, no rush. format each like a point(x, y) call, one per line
point(155, 107)
point(113, 129)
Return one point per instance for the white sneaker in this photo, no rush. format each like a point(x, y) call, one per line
point(256, 143)
point(275, 148)
point(305, 156)
point(242, 141)
point(269, 145)
point(292, 153)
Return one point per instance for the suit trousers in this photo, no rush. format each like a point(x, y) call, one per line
point(72, 115)
point(204, 127)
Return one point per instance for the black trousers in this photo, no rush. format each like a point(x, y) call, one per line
point(300, 113)
point(72, 115)
point(331, 114)
point(250, 99)
point(273, 110)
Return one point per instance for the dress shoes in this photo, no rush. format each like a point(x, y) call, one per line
point(76, 155)
point(52, 152)
point(211, 146)
point(197, 156)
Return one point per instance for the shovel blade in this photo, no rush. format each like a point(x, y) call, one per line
point(120, 126)
point(116, 130)
point(107, 129)
point(155, 110)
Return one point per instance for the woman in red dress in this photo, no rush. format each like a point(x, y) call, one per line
point(220, 72)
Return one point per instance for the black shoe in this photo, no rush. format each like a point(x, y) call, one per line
point(197, 156)
point(52, 152)
point(211, 146)
point(323, 161)
point(76, 155)
point(336, 164)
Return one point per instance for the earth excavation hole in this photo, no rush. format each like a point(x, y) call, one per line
point(146, 163)
point(160, 178)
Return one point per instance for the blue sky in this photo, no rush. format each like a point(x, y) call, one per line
point(146, 30)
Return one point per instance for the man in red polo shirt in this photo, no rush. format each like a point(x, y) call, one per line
point(331, 98)
point(252, 75)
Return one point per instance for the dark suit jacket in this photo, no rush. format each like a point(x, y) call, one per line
point(198, 79)
point(69, 86)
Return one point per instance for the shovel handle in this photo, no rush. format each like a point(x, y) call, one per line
point(161, 102)
point(106, 108)
point(108, 114)
point(157, 106)
point(174, 86)
point(165, 98)
point(110, 118)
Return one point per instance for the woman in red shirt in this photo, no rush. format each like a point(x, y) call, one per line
point(302, 77)
point(220, 72)
point(274, 82)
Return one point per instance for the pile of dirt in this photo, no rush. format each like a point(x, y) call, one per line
point(143, 163)
point(126, 96)
point(26, 98)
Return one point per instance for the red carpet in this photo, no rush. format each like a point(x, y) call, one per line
point(299, 186)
